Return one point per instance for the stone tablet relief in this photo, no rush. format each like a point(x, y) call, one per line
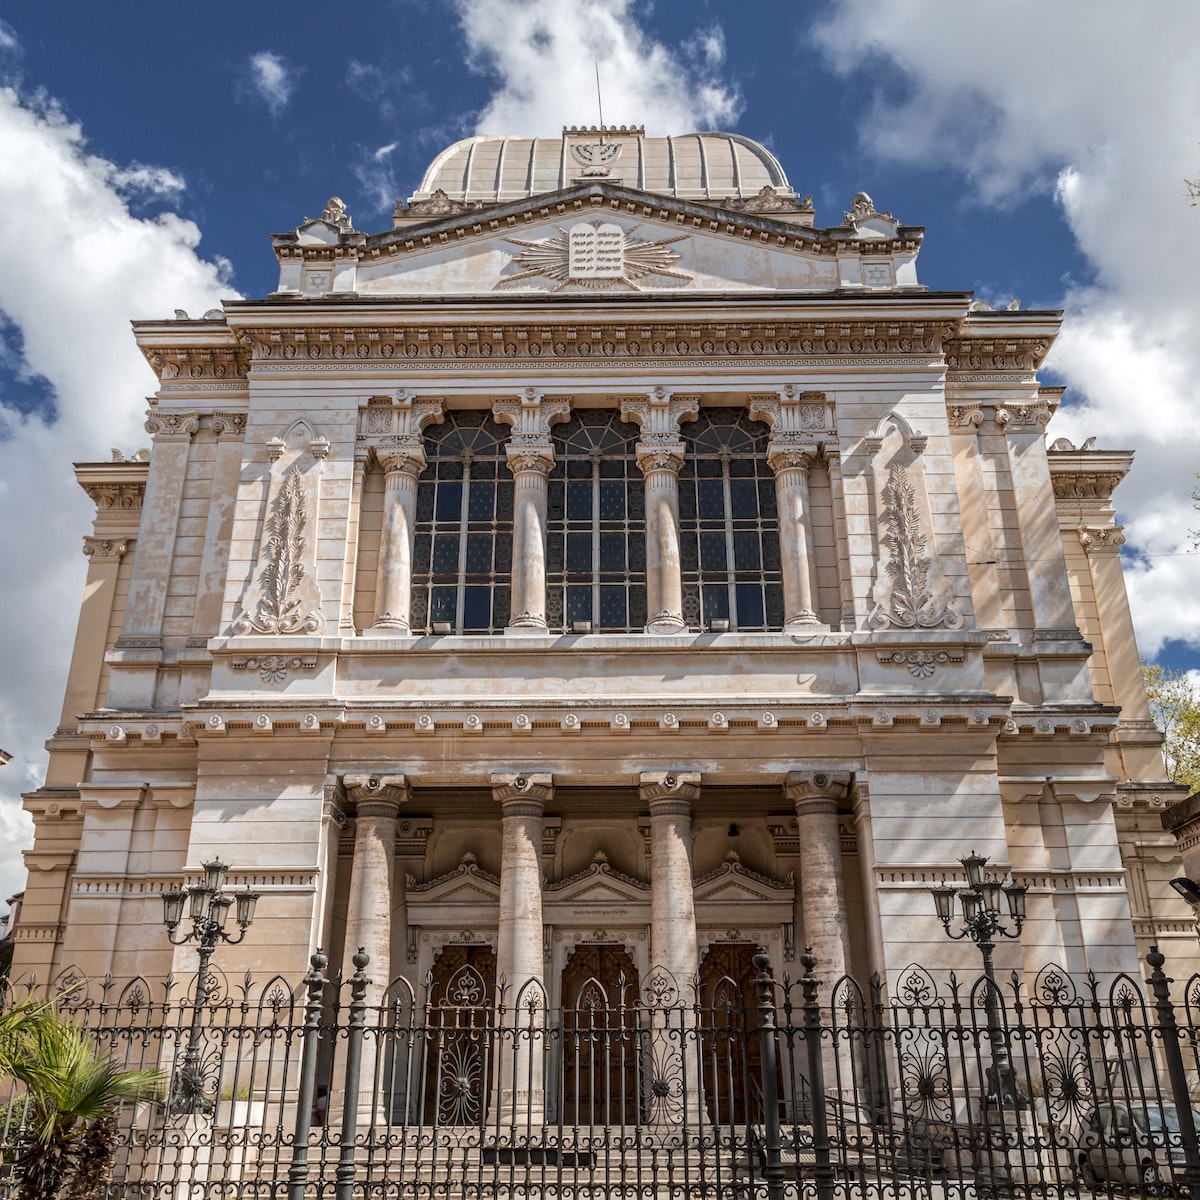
point(594, 254)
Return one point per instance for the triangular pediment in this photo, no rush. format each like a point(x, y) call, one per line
point(597, 884)
point(731, 882)
point(599, 239)
point(467, 884)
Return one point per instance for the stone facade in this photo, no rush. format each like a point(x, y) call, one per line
point(612, 569)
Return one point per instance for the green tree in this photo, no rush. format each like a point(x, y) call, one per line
point(1175, 706)
point(66, 1109)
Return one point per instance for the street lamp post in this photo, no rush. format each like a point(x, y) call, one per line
point(208, 909)
point(982, 923)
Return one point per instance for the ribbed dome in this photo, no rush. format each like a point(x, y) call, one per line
point(693, 166)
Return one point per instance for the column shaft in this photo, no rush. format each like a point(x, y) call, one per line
point(518, 1079)
point(795, 535)
point(664, 582)
point(529, 470)
point(393, 587)
point(822, 890)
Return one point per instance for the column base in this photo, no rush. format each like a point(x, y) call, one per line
point(666, 623)
point(389, 626)
point(805, 622)
point(527, 625)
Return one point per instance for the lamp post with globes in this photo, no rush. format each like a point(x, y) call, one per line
point(208, 907)
point(982, 923)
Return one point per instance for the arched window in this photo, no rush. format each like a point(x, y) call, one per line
point(596, 534)
point(728, 523)
point(462, 564)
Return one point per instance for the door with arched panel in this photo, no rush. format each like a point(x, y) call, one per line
point(599, 1078)
point(460, 1020)
point(729, 1038)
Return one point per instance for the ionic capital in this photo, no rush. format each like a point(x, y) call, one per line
point(228, 424)
point(521, 793)
point(172, 425)
point(1095, 539)
point(398, 417)
point(95, 547)
point(376, 795)
point(815, 790)
point(669, 793)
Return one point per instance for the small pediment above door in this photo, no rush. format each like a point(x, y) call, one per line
point(599, 883)
point(468, 883)
point(733, 882)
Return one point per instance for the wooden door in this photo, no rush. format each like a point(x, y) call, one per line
point(459, 1023)
point(729, 1039)
point(599, 1040)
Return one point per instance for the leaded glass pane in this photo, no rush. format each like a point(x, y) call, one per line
point(463, 543)
point(729, 540)
point(595, 525)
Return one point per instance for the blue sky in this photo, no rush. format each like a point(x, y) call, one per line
point(148, 151)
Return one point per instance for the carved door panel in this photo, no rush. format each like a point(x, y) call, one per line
point(460, 1019)
point(732, 1055)
point(599, 1041)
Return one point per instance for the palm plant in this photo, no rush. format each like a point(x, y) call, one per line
point(72, 1092)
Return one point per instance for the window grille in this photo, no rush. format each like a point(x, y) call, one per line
point(462, 562)
point(729, 528)
point(596, 534)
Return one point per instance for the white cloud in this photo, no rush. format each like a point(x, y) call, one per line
point(544, 52)
point(378, 179)
point(69, 292)
point(273, 79)
point(8, 42)
point(1096, 104)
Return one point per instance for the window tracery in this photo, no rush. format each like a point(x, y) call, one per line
point(729, 528)
point(462, 560)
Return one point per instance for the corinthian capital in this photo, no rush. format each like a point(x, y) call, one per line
point(405, 458)
point(789, 451)
point(660, 456)
point(530, 457)
point(656, 787)
point(171, 424)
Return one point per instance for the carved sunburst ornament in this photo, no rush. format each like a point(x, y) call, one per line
point(595, 255)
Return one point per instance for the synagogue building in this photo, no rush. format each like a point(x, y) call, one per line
point(606, 567)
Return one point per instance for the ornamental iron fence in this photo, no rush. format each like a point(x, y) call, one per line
point(738, 1085)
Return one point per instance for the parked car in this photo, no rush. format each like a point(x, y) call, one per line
point(1132, 1144)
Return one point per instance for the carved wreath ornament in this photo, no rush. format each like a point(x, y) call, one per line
point(915, 600)
point(280, 607)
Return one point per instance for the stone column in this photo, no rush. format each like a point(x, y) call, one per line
point(660, 455)
point(393, 583)
point(391, 426)
point(518, 1093)
point(530, 466)
point(676, 1079)
point(377, 800)
point(796, 420)
point(822, 890)
point(530, 459)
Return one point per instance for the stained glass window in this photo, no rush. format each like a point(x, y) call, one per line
point(729, 530)
point(596, 545)
point(462, 562)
